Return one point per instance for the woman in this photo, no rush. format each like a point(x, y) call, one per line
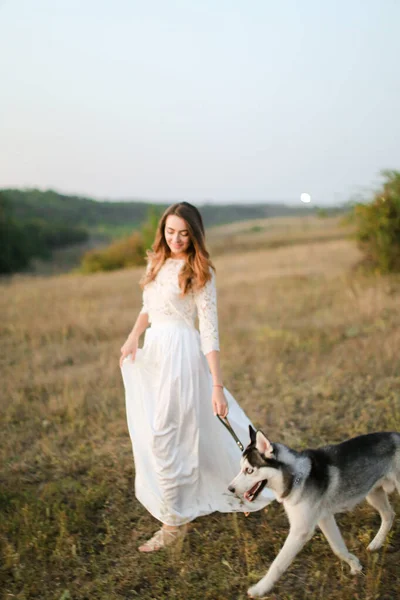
point(184, 457)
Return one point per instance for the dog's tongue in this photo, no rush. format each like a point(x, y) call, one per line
point(248, 495)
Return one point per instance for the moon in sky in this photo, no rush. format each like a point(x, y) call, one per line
point(305, 197)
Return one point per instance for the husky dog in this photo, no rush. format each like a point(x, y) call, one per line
point(313, 485)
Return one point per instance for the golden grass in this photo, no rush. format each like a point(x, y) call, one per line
point(310, 349)
point(275, 232)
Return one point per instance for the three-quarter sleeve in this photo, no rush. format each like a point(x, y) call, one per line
point(206, 302)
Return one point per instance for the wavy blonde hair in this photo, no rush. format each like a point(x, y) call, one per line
point(196, 271)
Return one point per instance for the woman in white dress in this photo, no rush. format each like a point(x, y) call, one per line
point(184, 457)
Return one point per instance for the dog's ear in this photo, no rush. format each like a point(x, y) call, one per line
point(263, 445)
point(252, 433)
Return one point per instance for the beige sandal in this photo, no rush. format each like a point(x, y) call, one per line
point(162, 537)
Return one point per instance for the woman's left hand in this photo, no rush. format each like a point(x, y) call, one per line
point(220, 405)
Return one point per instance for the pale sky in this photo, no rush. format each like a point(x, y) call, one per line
point(220, 100)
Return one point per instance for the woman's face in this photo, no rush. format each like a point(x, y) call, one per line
point(177, 236)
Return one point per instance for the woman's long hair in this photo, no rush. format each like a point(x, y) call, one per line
point(196, 271)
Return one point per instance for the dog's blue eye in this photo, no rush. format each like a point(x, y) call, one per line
point(249, 471)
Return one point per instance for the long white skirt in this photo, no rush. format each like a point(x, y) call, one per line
point(184, 457)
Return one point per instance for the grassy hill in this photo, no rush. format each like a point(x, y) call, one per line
point(108, 218)
point(118, 218)
point(41, 216)
point(309, 348)
point(275, 232)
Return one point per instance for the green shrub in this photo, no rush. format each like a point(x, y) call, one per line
point(149, 229)
point(127, 252)
point(378, 226)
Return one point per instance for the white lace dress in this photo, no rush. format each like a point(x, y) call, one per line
point(184, 457)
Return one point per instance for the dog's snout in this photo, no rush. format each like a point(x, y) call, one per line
point(231, 489)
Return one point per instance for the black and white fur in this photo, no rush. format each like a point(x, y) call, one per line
point(313, 485)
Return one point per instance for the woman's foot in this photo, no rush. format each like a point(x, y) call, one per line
point(162, 538)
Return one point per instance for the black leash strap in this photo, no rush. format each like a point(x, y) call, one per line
point(225, 423)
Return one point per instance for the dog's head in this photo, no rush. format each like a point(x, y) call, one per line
point(259, 467)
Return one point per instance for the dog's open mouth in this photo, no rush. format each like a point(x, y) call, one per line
point(253, 492)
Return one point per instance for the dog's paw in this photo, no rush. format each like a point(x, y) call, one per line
point(355, 565)
point(257, 591)
point(375, 545)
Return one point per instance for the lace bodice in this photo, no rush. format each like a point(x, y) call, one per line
point(162, 298)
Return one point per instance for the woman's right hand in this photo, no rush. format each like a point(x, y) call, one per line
point(130, 347)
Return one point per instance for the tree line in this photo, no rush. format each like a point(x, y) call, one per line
point(23, 239)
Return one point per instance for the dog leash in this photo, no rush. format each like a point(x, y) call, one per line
point(225, 422)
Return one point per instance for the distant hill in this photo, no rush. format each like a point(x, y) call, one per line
point(116, 218)
point(51, 227)
point(96, 216)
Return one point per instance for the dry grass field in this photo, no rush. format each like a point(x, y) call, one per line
point(310, 349)
point(275, 232)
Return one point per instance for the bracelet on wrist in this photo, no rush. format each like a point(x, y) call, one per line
point(218, 385)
